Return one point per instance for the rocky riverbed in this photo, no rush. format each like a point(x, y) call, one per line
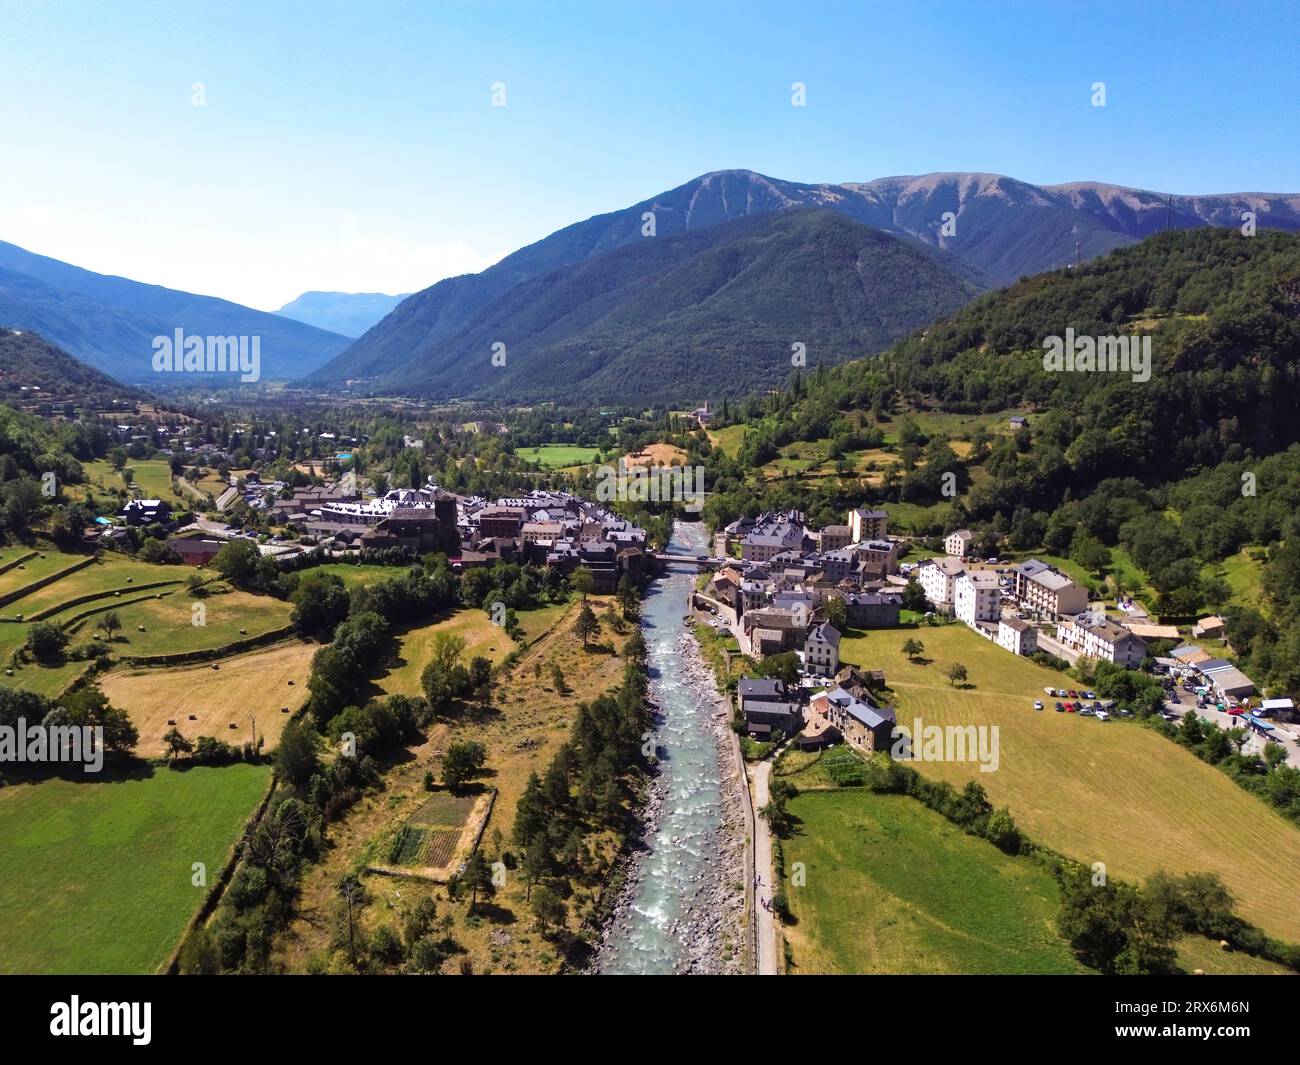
point(681, 905)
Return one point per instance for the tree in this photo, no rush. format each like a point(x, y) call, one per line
point(478, 876)
point(237, 561)
point(912, 648)
point(320, 602)
point(46, 641)
point(463, 760)
point(177, 743)
point(548, 909)
point(353, 895)
point(439, 679)
point(557, 678)
point(295, 758)
point(837, 613)
point(956, 673)
point(587, 626)
point(109, 623)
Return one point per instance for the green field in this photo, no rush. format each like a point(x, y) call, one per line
point(360, 575)
point(1113, 792)
point(555, 456)
point(96, 877)
point(728, 439)
point(893, 887)
point(1244, 576)
point(415, 646)
point(153, 476)
point(112, 573)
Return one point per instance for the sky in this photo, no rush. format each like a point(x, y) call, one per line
point(256, 150)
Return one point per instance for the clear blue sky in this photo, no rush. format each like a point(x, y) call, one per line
point(354, 145)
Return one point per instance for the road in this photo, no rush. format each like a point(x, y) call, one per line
point(768, 941)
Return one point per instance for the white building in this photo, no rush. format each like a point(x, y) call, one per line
point(937, 576)
point(1098, 637)
point(958, 542)
point(977, 597)
point(821, 651)
point(1018, 637)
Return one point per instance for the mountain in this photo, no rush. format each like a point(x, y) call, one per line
point(1004, 229)
point(347, 313)
point(110, 322)
point(33, 370)
point(713, 310)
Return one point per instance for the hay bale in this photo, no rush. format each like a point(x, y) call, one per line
point(171, 721)
point(233, 725)
point(194, 717)
point(1224, 945)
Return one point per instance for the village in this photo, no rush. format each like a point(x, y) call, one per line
point(786, 589)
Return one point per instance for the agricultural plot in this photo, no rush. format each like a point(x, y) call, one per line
point(205, 702)
point(430, 836)
point(166, 625)
point(556, 456)
point(893, 887)
point(110, 574)
point(415, 646)
point(40, 565)
point(1113, 792)
point(96, 877)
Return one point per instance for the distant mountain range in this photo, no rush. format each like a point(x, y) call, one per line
point(574, 313)
point(110, 322)
point(347, 313)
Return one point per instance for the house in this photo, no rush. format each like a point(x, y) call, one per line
point(195, 551)
point(1048, 592)
point(834, 537)
point(864, 725)
point(769, 631)
point(868, 525)
point(1099, 637)
point(1018, 637)
point(958, 543)
point(878, 553)
point(146, 511)
point(1209, 628)
point(768, 709)
point(821, 650)
point(937, 577)
point(772, 539)
point(977, 596)
point(1018, 421)
point(873, 610)
point(500, 521)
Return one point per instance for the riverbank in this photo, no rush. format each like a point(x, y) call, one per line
point(710, 926)
point(680, 906)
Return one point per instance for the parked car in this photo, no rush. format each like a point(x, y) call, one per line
point(1051, 692)
point(1086, 711)
point(1038, 705)
point(1072, 694)
point(1089, 695)
point(1102, 715)
point(1060, 709)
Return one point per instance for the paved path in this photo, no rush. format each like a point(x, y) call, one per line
point(767, 932)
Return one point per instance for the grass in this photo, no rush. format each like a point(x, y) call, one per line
point(527, 723)
point(96, 877)
point(359, 575)
point(1113, 792)
point(555, 456)
point(729, 439)
point(415, 646)
point(892, 887)
point(1197, 952)
point(1244, 576)
point(152, 476)
point(253, 685)
point(111, 573)
point(34, 569)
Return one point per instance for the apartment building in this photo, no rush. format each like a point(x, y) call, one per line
point(937, 576)
point(1048, 592)
point(977, 597)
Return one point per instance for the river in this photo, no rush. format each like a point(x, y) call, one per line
point(681, 910)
